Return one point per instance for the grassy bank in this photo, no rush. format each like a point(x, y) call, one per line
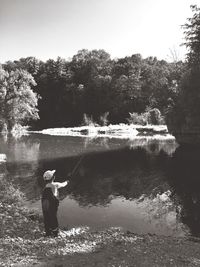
point(80, 247)
point(22, 242)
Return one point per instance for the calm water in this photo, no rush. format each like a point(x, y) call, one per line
point(142, 186)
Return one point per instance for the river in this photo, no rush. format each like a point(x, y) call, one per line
point(140, 185)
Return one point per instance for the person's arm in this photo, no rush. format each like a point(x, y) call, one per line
point(59, 185)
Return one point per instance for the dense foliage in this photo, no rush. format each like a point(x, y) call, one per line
point(17, 100)
point(184, 115)
point(151, 116)
point(93, 84)
point(192, 37)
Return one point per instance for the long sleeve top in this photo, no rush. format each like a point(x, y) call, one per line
point(55, 186)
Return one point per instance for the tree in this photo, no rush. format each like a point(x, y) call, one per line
point(93, 84)
point(51, 83)
point(30, 64)
point(192, 37)
point(17, 99)
point(92, 69)
point(126, 87)
point(185, 113)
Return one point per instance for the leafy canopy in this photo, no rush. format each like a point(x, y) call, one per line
point(18, 102)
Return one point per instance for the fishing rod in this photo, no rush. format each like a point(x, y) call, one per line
point(76, 166)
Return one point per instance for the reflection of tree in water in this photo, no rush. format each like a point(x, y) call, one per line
point(127, 173)
point(103, 141)
point(151, 144)
point(160, 210)
point(22, 164)
point(184, 178)
point(91, 191)
point(154, 145)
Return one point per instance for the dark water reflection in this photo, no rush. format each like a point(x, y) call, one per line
point(143, 185)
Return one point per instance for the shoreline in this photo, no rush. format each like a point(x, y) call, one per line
point(115, 131)
point(22, 243)
point(111, 131)
point(25, 246)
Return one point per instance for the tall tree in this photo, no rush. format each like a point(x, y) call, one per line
point(92, 69)
point(192, 37)
point(185, 114)
point(17, 99)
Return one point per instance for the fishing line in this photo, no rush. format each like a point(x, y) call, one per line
point(76, 166)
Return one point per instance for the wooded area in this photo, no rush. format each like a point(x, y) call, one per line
point(91, 83)
point(93, 87)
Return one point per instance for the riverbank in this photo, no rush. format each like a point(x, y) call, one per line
point(111, 131)
point(79, 247)
point(22, 244)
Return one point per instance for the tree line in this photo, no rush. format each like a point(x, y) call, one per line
point(184, 115)
point(93, 87)
point(59, 93)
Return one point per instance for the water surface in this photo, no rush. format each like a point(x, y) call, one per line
point(140, 185)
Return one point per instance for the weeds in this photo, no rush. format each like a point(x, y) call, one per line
point(150, 116)
point(104, 119)
point(89, 121)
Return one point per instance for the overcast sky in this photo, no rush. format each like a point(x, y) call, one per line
point(50, 28)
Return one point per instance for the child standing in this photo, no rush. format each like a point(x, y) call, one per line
point(50, 203)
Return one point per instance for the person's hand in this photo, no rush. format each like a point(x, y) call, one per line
point(67, 181)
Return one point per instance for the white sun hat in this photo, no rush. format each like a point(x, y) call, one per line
point(48, 175)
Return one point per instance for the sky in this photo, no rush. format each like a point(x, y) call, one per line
point(51, 28)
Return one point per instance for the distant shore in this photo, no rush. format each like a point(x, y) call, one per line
point(112, 131)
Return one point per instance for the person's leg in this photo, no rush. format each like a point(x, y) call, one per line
point(54, 219)
point(54, 224)
point(46, 216)
point(47, 224)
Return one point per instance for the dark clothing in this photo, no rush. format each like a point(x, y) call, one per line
point(49, 208)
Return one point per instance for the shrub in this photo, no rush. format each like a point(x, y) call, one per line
point(135, 118)
point(88, 121)
point(104, 119)
point(150, 116)
point(154, 117)
point(3, 126)
point(10, 194)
